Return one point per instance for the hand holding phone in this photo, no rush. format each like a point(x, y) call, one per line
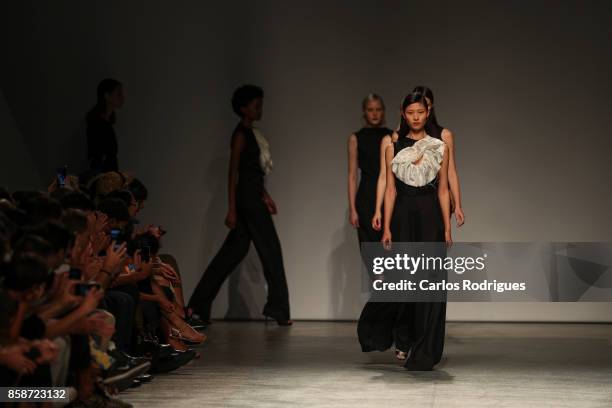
point(61, 175)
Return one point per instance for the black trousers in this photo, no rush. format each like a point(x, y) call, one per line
point(418, 327)
point(120, 302)
point(254, 224)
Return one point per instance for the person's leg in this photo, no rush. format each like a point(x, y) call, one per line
point(59, 368)
point(428, 319)
point(264, 236)
point(176, 286)
point(232, 252)
point(121, 306)
point(375, 326)
point(365, 233)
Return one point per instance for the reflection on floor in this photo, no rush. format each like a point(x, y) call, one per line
point(319, 364)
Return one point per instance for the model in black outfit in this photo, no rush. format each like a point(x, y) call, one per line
point(249, 217)
point(102, 146)
point(434, 129)
point(413, 213)
point(364, 153)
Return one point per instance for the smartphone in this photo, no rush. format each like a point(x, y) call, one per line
point(33, 353)
point(61, 176)
point(145, 254)
point(75, 274)
point(82, 289)
point(116, 236)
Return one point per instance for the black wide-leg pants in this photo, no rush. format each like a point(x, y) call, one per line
point(415, 327)
point(254, 223)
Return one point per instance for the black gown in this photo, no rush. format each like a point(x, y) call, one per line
point(418, 327)
point(254, 223)
point(368, 157)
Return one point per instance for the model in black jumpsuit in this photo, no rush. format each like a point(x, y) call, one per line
point(254, 223)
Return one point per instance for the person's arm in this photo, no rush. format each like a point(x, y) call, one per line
point(267, 199)
point(72, 321)
point(17, 321)
point(160, 297)
point(453, 177)
point(112, 262)
point(381, 184)
point(352, 180)
point(238, 142)
point(63, 301)
point(390, 193)
point(444, 196)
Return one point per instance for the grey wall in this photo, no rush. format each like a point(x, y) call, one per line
point(523, 85)
point(18, 166)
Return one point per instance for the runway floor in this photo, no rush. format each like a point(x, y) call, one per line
point(319, 364)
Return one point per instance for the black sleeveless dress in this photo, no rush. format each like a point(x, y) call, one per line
point(418, 327)
point(368, 156)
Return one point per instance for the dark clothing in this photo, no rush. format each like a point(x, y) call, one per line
point(250, 174)
point(417, 327)
point(121, 303)
point(33, 328)
point(368, 157)
point(102, 146)
point(254, 223)
point(80, 353)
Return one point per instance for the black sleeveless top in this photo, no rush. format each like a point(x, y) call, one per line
point(406, 189)
point(368, 152)
point(250, 174)
point(101, 145)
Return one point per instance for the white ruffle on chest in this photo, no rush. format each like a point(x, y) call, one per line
point(265, 157)
point(428, 154)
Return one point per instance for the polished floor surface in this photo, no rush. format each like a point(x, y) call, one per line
point(319, 364)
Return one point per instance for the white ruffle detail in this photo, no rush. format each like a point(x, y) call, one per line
point(430, 151)
point(265, 157)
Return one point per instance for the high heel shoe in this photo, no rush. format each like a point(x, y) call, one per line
point(179, 330)
point(177, 335)
point(280, 322)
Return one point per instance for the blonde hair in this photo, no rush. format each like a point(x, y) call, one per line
point(372, 97)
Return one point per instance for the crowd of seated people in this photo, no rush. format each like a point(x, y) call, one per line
point(87, 299)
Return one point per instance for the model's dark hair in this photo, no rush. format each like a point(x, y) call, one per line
point(432, 127)
point(414, 97)
point(105, 87)
point(244, 95)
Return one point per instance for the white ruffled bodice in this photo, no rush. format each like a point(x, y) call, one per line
point(430, 151)
point(265, 157)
